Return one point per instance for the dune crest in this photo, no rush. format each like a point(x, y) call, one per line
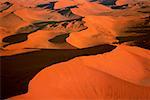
point(77, 79)
point(90, 8)
point(75, 49)
point(97, 32)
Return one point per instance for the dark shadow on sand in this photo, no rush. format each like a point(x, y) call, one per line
point(18, 70)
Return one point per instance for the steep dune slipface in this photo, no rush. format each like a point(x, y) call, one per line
point(9, 24)
point(90, 8)
point(124, 63)
point(11, 9)
point(120, 26)
point(39, 14)
point(95, 77)
point(12, 22)
point(3, 33)
point(35, 14)
point(130, 2)
point(64, 3)
point(27, 3)
point(107, 2)
point(34, 37)
point(4, 6)
point(97, 32)
point(122, 2)
point(39, 35)
point(40, 39)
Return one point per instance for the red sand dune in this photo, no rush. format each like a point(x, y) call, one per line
point(95, 77)
point(122, 2)
point(64, 3)
point(105, 28)
point(12, 22)
point(35, 14)
point(40, 39)
point(138, 72)
point(90, 8)
point(27, 3)
point(9, 24)
point(122, 74)
point(97, 32)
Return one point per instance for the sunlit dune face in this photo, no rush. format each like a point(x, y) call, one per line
point(27, 3)
point(64, 3)
point(96, 33)
point(87, 8)
point(100, 78)
point(75, 49)
point(122, 2)
point(16, 22)
point(40, 39)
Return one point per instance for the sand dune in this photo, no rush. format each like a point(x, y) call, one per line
point(138, 72)
point(97, 33)
point(5, 6)
point(35, 14)
point(113, 27)
point(9, 24)
point(27, 3)
point(12, 22)
point(90, 8)
point(85, 7)
point(27, 37)
point(39, 39)
point(64, 3)
point(35, 34)
point(95, 77)
point(35, 61)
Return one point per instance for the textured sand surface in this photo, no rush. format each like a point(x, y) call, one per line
point(75, 49)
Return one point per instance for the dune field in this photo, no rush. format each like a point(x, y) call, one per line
point(75, 49)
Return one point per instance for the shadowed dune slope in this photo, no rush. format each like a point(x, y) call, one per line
point(113, 38)
point(90, 8)
point(12, 22)
point(5, 6)
point(87, 78)
point(37, 35)
point(23, 67)
point(119, 26)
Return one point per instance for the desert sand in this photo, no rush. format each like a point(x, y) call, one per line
point(95, 77)
point(75, 49)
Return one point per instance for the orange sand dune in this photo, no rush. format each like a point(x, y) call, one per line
point(12, 22)
point(40, 39)
point(37, 14)
point(64, 3)
point(95, 77)
point(120, 74)
point(3, 33)
point(9, 24)
point(13, 8)
point(130, 2)
point(107, 26)
point(90, 8)
point(85, 7)
point(34, 14)
point(122, 2)
point(27, 3)
point(97, 32)
point(4, 6)
point(134, 68)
